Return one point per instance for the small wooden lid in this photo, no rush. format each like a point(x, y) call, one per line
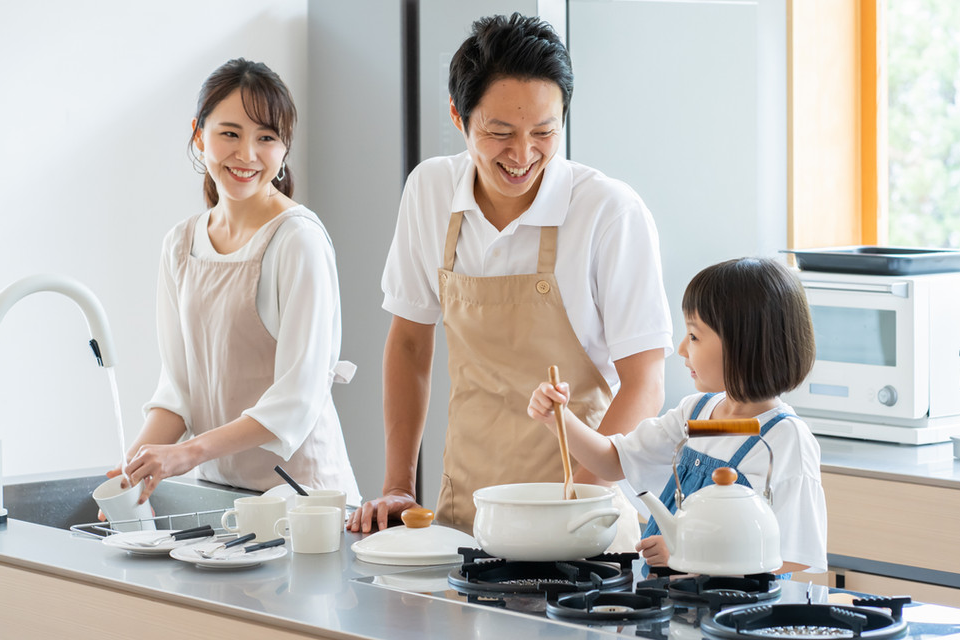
point(724, 476)
point(417, 517)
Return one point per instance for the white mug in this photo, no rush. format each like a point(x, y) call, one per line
point(118, 503)
point(255, 514)
point(323, 498)
point(311, 529)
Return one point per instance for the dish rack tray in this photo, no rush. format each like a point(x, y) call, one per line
point(176, 521)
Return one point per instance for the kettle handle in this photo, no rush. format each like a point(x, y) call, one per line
point(703, 428)
point(608, 512)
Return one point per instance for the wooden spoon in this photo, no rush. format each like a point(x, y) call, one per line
point(568, 492)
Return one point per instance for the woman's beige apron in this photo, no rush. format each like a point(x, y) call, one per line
point(230, 358)
point(503, 333)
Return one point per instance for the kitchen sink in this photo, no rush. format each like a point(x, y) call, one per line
point(62, 503)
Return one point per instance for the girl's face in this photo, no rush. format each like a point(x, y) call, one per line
point(514, 132)
point(702, 353)
point(241, 156)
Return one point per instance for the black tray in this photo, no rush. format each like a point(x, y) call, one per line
point(885, 261)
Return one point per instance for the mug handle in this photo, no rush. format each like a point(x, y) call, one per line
point(225, 517)
point(282, 531)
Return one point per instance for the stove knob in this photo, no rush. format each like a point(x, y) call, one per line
point(887, 396)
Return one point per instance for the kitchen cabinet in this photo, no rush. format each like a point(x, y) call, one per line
point(39, 605)
point(894, 536)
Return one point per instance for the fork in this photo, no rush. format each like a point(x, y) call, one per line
point(196, 532)
point(207, 555)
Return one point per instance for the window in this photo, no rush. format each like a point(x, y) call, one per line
point(923, 118)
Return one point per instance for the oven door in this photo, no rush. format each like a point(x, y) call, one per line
point(872, 357)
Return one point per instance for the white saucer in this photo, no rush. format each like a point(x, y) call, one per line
point(127, 539)
point(231, 559)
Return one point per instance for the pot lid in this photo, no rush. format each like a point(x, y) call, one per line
point(414, 545)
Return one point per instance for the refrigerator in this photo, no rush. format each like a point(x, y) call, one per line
point(684, 100)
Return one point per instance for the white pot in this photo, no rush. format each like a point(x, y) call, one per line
point(533, 522)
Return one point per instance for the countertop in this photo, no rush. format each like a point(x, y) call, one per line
point(318, 594)
point(929, 464)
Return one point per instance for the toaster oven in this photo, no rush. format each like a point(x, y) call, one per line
point(888, 357)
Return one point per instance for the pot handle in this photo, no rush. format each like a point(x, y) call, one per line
point(609, 512)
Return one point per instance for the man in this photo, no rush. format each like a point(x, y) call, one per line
point(531, 260)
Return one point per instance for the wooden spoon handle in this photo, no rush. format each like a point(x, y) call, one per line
point(702, 428)
point(568, 490)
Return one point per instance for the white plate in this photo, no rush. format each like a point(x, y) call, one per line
point(127, 539)
point(231, 559)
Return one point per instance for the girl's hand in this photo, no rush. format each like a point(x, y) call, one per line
point(654, 551)
point(542, 399)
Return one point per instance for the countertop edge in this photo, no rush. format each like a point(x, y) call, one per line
point(160, 595)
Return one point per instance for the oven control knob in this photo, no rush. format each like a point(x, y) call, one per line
point(887, 396)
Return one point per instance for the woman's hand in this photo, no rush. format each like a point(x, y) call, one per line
point(154, 462)
point(542, 400)
point(654, 551)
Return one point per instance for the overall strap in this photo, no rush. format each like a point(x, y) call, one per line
point(753, 440)
point(701, 404)
point(453, 233)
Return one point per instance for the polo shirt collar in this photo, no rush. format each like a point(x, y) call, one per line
point(549, 208)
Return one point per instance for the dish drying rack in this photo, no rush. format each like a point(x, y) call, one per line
point(176, 521)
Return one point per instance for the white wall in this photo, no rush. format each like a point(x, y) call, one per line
point(95, 107)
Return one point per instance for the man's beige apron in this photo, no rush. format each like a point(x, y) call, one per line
point(230, 358)
point(503, 333)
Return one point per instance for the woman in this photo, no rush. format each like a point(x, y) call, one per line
point(248, 310)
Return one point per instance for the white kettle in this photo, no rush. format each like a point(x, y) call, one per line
point(724, 528)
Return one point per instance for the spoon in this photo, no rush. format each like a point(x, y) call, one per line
point(568, 492)
point(291, 481)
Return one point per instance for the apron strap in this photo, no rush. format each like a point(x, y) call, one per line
point(453, 232)
point(187, 245)
point(547, 259)
point(753, 440)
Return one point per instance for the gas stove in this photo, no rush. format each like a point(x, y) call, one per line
point(606, 594)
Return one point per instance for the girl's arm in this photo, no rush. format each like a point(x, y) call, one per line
point(593, 450)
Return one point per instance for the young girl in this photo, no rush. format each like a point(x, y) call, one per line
point(248, 310)
point(749, 338)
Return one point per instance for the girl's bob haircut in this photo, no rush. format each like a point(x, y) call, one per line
point(759, 310)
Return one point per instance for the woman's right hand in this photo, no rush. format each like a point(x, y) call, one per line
point(383, 508)
point(542, 402)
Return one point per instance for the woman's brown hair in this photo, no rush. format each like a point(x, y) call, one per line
point(267, 102)
point(760, 311)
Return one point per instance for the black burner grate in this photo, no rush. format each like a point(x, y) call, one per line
point(482, 573)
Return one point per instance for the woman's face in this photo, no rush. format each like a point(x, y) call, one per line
point(514, 131)
point(702, 353)
point(241, 156)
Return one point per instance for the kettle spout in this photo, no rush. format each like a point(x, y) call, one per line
point(666, 520)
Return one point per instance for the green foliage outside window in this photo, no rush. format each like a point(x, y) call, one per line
point(923, 57)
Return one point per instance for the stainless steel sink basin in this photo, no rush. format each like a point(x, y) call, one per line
point(62, 503)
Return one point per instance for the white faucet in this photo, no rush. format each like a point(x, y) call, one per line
point(101, 339)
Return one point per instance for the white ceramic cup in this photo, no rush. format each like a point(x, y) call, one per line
point(312, 529)
point(323, 498)
point(118, 504)
point(255, 514)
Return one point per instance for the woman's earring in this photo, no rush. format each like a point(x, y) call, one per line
point(201, 157)
point(283, 172)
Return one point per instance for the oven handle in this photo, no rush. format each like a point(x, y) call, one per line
point(898, 289)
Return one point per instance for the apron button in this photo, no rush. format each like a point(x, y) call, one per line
point(543, 286)
point(443, 277)
point(696, 462)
